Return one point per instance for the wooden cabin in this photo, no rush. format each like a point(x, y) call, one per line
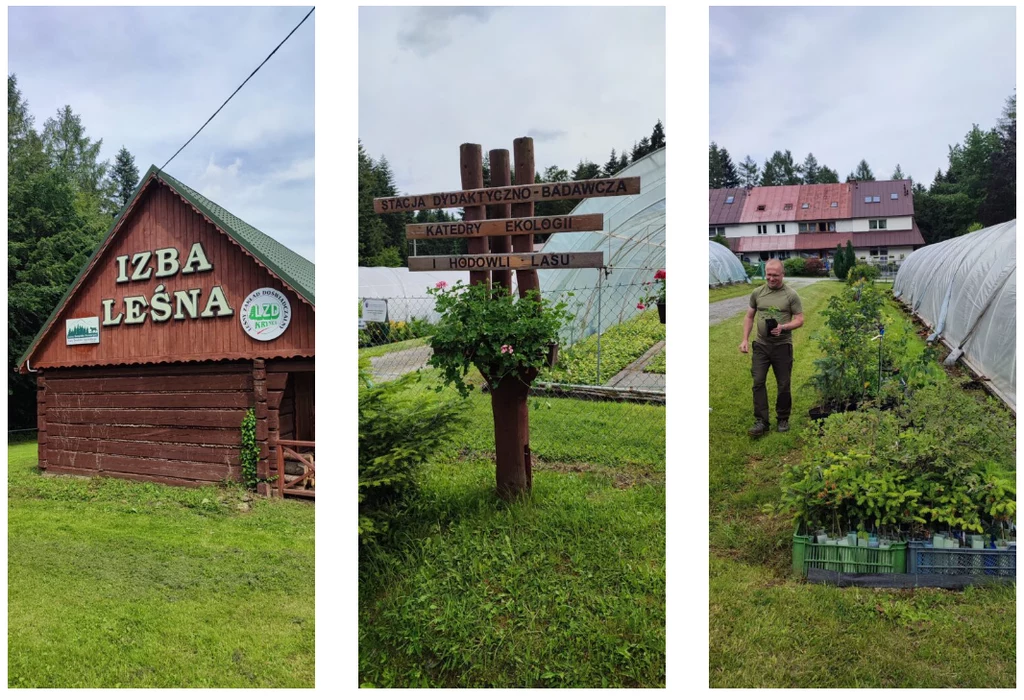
point(183, 319)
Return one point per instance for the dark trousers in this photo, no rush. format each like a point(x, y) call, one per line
point(780, 358)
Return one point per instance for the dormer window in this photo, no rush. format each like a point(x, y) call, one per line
point(867, 200)
point(787, 207)
point(760, 207)
point(729, 199)
point(894, 196)
point(805, 205)
point(834, 205)
point(876, 199)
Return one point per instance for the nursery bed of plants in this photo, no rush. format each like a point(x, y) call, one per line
point(620, 345)
point(767, 627)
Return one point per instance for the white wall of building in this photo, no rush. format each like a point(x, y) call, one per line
point(892, 223)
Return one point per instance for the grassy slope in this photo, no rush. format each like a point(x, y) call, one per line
point(116, 583)
point(769, 630)
point(566, 589)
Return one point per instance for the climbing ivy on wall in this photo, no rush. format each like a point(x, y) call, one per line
point(250, 450)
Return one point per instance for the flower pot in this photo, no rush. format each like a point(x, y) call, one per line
point(552, 354)
point(769, 325)
point(661, 311)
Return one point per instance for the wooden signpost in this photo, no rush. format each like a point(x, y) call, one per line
point(506, 227)
point(506, 261)
point(498, 225)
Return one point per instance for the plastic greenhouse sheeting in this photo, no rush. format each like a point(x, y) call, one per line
point(965, 290)
point(405, 291)
point(633, 242)
point(723, 266)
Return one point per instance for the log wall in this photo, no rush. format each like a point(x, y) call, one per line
point(175, 424)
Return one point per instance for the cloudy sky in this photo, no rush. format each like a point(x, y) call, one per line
point(147, 79)
point(891, 85)
point(579, 80)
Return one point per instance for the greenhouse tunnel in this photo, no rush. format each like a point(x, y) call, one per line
point(965, 289)
point(723, 266)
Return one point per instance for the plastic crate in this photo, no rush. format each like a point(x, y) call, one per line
point(925, 559)
point(846, 559)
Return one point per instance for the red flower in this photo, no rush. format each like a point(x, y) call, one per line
point(659, 275)
point(641, 306)
point(441, 285)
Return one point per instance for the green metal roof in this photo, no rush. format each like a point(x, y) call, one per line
point(297, 272)
point(294, 269)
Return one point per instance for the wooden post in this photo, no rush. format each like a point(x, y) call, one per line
point(525, 171)
point(500, 176)
point(472, 166)
point(512, 436)
point(259, 392)
point(41, 418)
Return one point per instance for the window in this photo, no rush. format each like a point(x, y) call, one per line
point(805, 205)
point(867, 200)
point(877, 223)
point(901, 256)
point(835, 205)
point(881, 223)
point(780, 228)
point(821, 226)
point(762, 228)
point(832, 226)
point(876, 199)
point(875, 252)
point(803, 228)
point(787, 207)
point(716, 231)
point(760, 207)
point(764, 256)
point(894, 195)
point(729, 199)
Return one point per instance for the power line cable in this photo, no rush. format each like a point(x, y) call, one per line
point(238, 88)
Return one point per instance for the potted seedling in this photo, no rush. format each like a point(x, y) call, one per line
point(771, 318)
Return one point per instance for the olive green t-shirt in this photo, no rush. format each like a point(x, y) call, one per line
point(788, 303)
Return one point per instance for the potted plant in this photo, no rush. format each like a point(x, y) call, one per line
point(656, 295)
point(771, 318)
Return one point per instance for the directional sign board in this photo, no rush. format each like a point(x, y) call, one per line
point(506, 261)
point(506, 227)
point(540, 192)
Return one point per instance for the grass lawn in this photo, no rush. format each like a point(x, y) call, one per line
point(378, 350)
point(115, 583)
point(731, 291)
point(768, 629)
point(565, 589)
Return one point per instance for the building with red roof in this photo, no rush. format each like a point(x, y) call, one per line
point(761, 223)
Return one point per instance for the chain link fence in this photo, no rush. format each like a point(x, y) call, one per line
point(608, 380)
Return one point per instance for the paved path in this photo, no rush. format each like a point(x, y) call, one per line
point(395, 364)
point(634, 377)
point(727, 308)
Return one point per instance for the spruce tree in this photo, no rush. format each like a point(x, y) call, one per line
point(715, 174)
point(897, 174)
point(658, 136)
point(851, 258)
point(612, 166)
point(730, 178)
point(811, 170)
point(125, 176)
point(750, 174)
point(863, 172)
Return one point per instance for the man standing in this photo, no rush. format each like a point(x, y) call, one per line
point(772, 348)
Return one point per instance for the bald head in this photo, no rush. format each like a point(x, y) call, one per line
point(773, 273)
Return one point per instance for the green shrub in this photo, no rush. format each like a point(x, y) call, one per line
point(398, 431)
point(861, 271)
point(620, 345)
point(944, 460)
point(794, 267)
point(752, 270)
